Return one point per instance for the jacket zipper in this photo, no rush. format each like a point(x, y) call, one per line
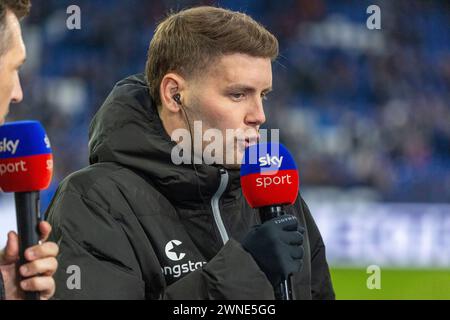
point(215, 205)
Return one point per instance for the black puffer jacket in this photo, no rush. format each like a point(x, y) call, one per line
point(139, 227)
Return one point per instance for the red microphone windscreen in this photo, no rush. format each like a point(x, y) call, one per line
point(26, 161)
point(269, 175)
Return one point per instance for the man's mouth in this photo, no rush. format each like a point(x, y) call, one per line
point(248, 141)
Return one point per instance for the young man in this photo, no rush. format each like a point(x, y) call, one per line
point(42, 263)
point(138, 226)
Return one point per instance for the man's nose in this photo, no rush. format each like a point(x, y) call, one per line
point(256, 117)
point(17, 93)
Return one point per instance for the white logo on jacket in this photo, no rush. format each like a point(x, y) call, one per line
point(174, 256)
point(173, 252)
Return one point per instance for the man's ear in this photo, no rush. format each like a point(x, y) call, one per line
point(171, 84)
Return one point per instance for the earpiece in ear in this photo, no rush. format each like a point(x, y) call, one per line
point(177, 98)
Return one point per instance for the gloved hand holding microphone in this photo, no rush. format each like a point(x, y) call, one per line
point(277, 247)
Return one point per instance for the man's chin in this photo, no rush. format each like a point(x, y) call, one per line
point(236, 162)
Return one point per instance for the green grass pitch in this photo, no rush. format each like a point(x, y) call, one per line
point(399, 284)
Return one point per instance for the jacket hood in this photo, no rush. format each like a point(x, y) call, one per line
point(127, 130)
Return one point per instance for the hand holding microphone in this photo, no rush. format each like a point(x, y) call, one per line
point(36, 273)
point(269, 180)
point(26, 167)
point(276, 246)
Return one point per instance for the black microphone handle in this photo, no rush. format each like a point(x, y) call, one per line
point(284, 292)
point(27, 213)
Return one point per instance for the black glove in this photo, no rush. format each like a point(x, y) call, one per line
point(277, 247)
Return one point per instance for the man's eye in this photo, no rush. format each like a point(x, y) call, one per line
point(237, 96)
point(264, 96)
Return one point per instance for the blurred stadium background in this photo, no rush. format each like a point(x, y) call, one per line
point(366, 112)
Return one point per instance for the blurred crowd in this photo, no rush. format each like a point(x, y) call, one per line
point(359, 108)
